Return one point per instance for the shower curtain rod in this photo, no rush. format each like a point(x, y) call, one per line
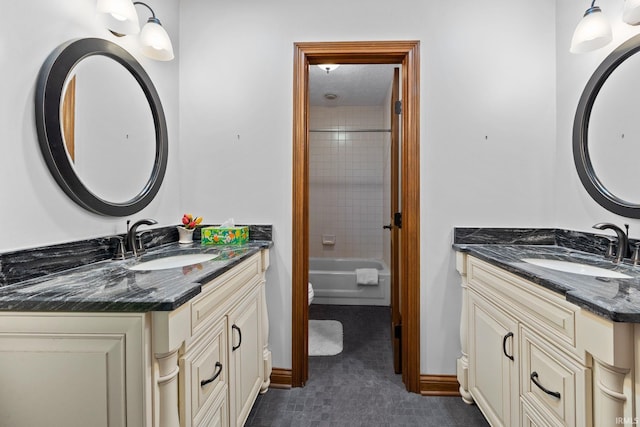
point(350, 130)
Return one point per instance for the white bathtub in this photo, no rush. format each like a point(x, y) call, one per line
point(334, 282)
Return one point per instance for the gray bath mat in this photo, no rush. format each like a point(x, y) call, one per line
point(325, 337)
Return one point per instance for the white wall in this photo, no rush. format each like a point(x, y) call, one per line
point(487, 127)
point(34, 211)
point(488, 142)
point(575, 208)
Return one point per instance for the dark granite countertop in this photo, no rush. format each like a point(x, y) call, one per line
point(109, 286)
point(612, 298)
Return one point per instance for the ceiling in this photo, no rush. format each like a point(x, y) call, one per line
point(361, 85)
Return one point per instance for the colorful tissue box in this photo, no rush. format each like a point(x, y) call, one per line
point(224, 236)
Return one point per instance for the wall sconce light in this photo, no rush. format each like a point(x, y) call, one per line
point(631, 12)
point(331, 67)
point(156, 43)
point(120, 17)
point(594, 30)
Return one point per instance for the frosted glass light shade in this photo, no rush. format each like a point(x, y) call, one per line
point(119, 16)
point(631, 12)
point(592, 32)
point(155, 42)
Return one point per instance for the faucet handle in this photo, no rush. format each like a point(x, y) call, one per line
point(120, 252)
point(140, 241)
point(636, 254)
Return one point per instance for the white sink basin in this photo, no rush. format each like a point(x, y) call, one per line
point(576, 268)
point(172, 262)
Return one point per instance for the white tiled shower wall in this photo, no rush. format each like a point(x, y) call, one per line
point(347, 176)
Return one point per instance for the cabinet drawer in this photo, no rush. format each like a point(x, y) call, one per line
point(553, 383)
point(531, 419)
point(223, 291)
point(217, 415)
point(205, 373)
point(549, 311)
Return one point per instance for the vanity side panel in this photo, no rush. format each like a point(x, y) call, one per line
point(462, 364)
point(612, 349)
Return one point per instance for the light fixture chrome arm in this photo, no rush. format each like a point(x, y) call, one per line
point(153, 14)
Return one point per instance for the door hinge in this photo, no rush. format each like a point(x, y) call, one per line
point(397, 219)
point(398, 107)
point(397, 331)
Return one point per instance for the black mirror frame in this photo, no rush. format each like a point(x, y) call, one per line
point(51, 81)
point(587, 175)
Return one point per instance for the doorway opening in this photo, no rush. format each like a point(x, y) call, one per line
point(353, 195)
point(405, 53)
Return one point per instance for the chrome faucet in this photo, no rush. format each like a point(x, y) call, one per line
point(622, 250)
point(131, 234)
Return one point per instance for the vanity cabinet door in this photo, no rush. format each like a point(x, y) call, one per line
point(493, 361)
point(245, 356)
point(71, 370)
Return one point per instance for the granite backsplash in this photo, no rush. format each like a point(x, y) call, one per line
point(26, 264)
point(577, 240)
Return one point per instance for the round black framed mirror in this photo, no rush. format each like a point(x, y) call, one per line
point(606, 180)
point(144, 133)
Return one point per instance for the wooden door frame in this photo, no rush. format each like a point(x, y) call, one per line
point(406, 53)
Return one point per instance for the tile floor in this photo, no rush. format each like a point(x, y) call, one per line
point(358, 387)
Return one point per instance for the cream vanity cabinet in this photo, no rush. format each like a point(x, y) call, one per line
point(221, 381)
point(530, 358)
point(200, 365)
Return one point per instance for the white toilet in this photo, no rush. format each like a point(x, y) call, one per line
point(310, 293)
